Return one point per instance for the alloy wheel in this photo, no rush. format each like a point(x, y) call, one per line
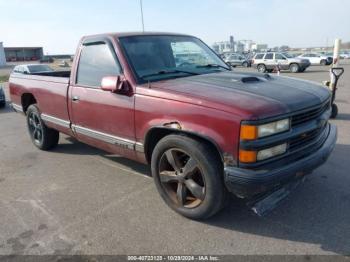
point(35, 128)
point(181, 178)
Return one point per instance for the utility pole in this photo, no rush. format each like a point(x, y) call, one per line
point(143, 25)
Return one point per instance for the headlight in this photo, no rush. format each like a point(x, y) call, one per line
point(271, 152)
point(273, 128)
point(251, 132)
point(247, 156)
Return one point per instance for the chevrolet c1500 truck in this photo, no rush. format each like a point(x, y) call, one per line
point(170, 101)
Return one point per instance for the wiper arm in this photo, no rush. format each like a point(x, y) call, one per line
point(213, 66)
point(165, 72)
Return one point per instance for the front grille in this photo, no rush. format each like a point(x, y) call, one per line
point(309, 115)
point(305, 139)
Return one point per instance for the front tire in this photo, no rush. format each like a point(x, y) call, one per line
point(245, 64)
point(323, 62)
point(42, 137)
point(188, 176)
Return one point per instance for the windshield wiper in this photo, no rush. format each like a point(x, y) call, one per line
point(213, 66)
point(165, 72)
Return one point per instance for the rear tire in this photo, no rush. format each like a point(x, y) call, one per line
point(294, 68)
point(245, 64)
point(196, 190)
point(42, 137)
point(261, 68)
point(323, 62)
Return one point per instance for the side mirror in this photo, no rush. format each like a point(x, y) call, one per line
point(115, 84)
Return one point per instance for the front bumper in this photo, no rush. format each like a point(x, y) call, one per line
point(247, 183)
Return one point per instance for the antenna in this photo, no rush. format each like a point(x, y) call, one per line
point(143, 25)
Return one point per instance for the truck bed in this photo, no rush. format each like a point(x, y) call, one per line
point(49, 89)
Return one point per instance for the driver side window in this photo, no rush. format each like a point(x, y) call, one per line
point(96, 61)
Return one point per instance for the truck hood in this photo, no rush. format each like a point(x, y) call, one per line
point(254, 95)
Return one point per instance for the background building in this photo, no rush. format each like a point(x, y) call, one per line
point(223, 47)
point(14, 54)
point(239, 46)
point(247, 45)
point(259, 47)
point(2, 55)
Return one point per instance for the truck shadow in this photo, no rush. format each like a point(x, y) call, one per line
point(317, 212)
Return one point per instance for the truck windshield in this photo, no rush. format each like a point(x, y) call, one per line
point(160, 57)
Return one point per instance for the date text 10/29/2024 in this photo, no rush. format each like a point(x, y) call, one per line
point(173, 258)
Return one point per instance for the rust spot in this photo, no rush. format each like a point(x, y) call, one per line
point(229, 160)
point(174, 125)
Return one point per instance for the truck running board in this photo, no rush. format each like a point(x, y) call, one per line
point(262, 205)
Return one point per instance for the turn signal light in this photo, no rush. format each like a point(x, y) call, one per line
point(249, 132)
point(247, 156)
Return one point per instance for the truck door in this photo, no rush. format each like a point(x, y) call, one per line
point(101, 118)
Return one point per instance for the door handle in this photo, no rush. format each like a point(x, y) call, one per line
point(75, 98)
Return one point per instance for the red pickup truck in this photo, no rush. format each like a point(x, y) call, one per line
point(170, 101)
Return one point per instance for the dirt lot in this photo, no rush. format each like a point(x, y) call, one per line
point(79, 200)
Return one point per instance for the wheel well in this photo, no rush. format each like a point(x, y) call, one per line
point(27, 99)
point(156, 134)
point(293, 64)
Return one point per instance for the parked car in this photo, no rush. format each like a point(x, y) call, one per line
point(317, 59)
point(268, 61)
point(237, 60)
point(32, 69)
point(2, 98)
point(46, 59)
point(344, 55)
point(204, 130)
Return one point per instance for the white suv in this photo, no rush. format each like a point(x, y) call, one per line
point(317, 59)
point(267, 62)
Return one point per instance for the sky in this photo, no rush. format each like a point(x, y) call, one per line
point(58, 25)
